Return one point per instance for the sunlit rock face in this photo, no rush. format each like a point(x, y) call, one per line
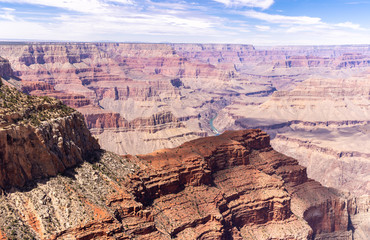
point(138, 98)
point(58, 185)
point(232, 186)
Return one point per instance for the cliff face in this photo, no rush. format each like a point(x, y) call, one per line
point(233, 186)
point(5, 68)
point(130, 82)
point(29, 152)
point(322, 122)
point(138, 81)
point(161, 95)
point(39, 137)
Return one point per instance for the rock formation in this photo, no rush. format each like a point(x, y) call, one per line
point(138, 98)
point(5, 68)
point(232, 186)
point(57, 184)
point(39, 137)
point(132, 81)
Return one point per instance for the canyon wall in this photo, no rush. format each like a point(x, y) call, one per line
point(5, 68)
point(137, 98)
point(232, 186)
point(57, 184)
point(39, 137)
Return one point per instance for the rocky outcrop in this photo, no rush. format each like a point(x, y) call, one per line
point(5, 68)
point(232, 186)
point(61, 144)
point(115, 78)
point(102, 121)
point(39, 138)
point(328, 163)
point(160, 130)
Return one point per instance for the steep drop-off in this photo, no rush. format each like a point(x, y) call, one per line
point(39, 137)
point(57, 184)
point(137, 98)
point(140, 81)
point(233, 186)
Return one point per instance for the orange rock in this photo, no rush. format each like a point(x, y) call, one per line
point(3, 236)
point(33, 221)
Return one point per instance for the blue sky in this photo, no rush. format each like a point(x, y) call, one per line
point(258, 22)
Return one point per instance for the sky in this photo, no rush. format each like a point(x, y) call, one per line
point(257, 22)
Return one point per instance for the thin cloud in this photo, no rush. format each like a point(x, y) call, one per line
point(83, 6)
point(163, 19)
point(350, 25)
point(262, 28)
point(7, 14)
point(8, 9)
point(264, 4)
point(299, 23)
point(281, 19)
point(169, 21)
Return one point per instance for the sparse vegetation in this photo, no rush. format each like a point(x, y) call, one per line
point(18, 107)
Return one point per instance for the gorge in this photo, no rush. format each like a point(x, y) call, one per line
point(141, 98)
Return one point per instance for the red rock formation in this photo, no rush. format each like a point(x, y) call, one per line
point(238, 162)
point(114, 120)
point(108, 75)
point(61, 144)
point(323, 209)
point(2, 235)
point(233, 186)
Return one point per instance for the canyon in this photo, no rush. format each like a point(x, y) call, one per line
point(138, 98)
point(231, 186)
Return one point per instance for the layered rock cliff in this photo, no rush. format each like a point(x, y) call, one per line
point(39, 137)
point(322, 122)
point(134, 82)
point(201, 89)
point(140, 81)
point(233, 186)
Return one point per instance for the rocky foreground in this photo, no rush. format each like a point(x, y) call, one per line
point(232, 186)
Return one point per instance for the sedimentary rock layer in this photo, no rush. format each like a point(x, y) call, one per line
point(139, 81)
point(202, 89)
point(39, 137)
point(233, 186)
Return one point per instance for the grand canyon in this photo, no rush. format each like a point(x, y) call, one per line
point(154, 143)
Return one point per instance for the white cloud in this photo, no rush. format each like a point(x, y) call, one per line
point(299, 23)
point(122, 1)
point(262, 28)
point(7, 14)
point(8, 9)
point(281, 19)
point(264, 4)
point(169, 21)
point(350, 25)
point(83, 6)
point(121, 22)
